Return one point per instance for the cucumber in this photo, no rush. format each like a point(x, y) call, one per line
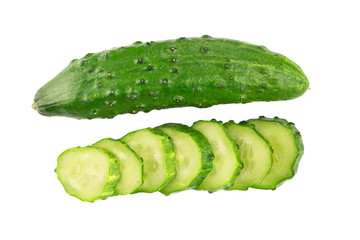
point(194, 157)
point(255, 153)
point(198, 72)
point(157, 151)
point(226, 164)
point(259, 153)
point(88, 173)
point(288, 148)
point(129, 163)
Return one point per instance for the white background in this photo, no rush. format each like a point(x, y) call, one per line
point(39, 38)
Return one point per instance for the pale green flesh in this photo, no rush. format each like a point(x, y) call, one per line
point(226, 160)
point(130, 165)
point(149, 147)
point(283, 143)
point(84, 172)
point(255, 154)
point(187, 163)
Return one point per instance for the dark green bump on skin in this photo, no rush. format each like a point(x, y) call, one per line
point(211, 71)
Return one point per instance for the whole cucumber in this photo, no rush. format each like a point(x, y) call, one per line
point(198, 72)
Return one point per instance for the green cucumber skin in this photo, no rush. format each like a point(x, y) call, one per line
point(114, 174)
point(170, 156)
point(298, 141)
point(199, 72)
point(205, 148)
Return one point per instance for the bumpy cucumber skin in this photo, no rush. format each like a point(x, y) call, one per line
point(298, 142)
point(113, 179)
point(236, 171)
point(198, 72)
point(207, 154)
point(246, 124)
point(170, 156)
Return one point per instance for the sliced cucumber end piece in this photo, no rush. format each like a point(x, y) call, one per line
point(88, 173)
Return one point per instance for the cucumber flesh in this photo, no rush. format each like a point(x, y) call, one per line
point(226, 163)
point(88, 173)
point(157, 152)
point(255, 153)
point(288, 148)
point(193, 157)
point(129, 163)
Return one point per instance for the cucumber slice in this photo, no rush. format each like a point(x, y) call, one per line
point(157, 151)
point(226, 164)
point(255, 153)
point(88, 173)
point(288, 148)
point(194, 157)
point(129, 163)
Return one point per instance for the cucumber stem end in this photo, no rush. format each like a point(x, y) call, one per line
point(34, 106)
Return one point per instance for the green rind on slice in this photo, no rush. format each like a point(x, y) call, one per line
point(88, 173)
point(157, 151)
point(129, 162)
point(193, 157)
point(255, 153)
point(226, 163)
point(288, 148)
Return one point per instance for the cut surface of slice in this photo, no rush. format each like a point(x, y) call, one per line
point(129, 163)
point(88, 173)
point(226, 163)
point(255, 154)
point(288, 148)
point(157, 151)
point(193, 157)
